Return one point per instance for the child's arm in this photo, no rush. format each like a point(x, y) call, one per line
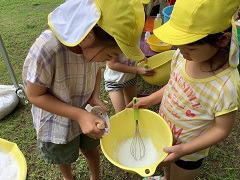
point(221, 130)
point(145, 102)
point(114, 64)
point(94, 99)
point(39, 96)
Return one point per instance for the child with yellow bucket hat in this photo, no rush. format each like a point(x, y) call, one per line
point(62, 74)
point(201, 99)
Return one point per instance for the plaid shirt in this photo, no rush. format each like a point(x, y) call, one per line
point(69, 78)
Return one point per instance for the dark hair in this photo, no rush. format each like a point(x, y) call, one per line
point(103, 36)
point(222, 54)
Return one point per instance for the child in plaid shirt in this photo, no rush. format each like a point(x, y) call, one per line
point(62, 74)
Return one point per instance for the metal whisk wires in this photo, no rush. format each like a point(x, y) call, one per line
point(137, 147)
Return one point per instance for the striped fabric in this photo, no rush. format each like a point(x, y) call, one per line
point(69, 78)
point(190, 105)
point(115, 80)
point(113, 86)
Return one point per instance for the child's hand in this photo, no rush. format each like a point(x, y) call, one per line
point(90, 124)
point(143, 102)
point(175, 152)
point(145, 71)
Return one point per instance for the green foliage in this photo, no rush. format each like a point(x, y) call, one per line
point(22, 21)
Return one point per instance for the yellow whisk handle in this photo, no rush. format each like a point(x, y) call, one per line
point(134, 101)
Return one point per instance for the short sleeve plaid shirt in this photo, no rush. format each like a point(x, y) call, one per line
point(69, 78)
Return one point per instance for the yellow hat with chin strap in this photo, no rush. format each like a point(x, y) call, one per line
point(192, 20)
point(122, 19)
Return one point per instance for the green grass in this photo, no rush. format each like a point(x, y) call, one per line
point(22, 21)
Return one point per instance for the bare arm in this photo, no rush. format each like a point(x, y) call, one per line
point(221, 130)
point(145, 102)
point(94, 99)
point(114, 64)
point(39, 96)
point(214, 135)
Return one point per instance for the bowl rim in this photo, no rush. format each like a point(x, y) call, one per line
point(11, 147)
point(140, 170)
point(158, 45)
point(162, 62)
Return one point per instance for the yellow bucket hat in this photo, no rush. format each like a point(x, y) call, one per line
point(192, 20)
point(123, 20)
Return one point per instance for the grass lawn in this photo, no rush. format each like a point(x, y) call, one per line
point(21, 21)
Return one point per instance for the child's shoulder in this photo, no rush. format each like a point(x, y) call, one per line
point(48, 37)
point(47, 40)
point(177, 59)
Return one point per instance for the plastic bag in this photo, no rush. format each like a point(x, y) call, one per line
point(8, 100)
point(97, 110)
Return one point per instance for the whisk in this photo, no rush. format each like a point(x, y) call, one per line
point(137, 147)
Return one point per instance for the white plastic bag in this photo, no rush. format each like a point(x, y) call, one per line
point(8, 100)
point(97, 110)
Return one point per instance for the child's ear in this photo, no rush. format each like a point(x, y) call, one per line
point(225, 39)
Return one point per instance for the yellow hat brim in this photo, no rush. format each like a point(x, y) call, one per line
point(132, 52)
point(171, 35)
point(125, 25)
point(145, 1)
